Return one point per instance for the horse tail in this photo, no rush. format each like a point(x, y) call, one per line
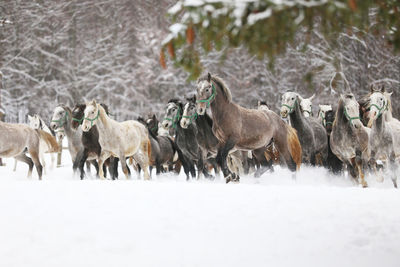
point(49, 140)
point(294, 146)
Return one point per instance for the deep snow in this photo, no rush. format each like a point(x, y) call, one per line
point(318, 220)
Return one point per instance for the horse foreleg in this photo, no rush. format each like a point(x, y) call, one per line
point(372, 164)
point(359, 165)
point(221, 159)
point(103, 156)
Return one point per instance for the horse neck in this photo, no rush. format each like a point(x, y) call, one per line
point(220, 105)
point(67, 126)
point(379, 123)
point(341, 122)
point(296, 117)
point(103, 121)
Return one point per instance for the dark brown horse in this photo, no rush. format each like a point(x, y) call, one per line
point(238, 128)
point(162, 147)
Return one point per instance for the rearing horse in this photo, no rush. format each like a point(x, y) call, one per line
point(238, 128)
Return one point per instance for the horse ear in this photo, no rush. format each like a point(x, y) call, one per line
point(154, 117)
point(209, 77)
point(29, 117)
point(383, 88)
point(312, 97)
point(371, 88)
point(258, 103)
point(93, 102)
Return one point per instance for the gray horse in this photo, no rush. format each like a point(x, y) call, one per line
point(311, 133)
point(61, 121)
point(349, 138)
point(238, 128)
point(381, 140)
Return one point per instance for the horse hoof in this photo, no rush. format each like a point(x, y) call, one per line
point(235, 178)
point(364, 185)
point(379, 179)
point(228, 178)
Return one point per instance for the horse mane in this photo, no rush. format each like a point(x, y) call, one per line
point(221, 83)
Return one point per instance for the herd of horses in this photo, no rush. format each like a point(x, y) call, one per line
point(210, 133)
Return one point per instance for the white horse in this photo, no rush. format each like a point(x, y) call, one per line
point(323, 109)
point(118, 139)
point(46, 146)
point(14, 138)
point(394, 124)
point(306, 105)
point(381, 141)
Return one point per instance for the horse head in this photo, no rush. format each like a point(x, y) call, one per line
point(262, 105)
point(34, 121)
point(173, 114)
point(78, 115)
point(206, 92)
point(289, 101)
point(351, 110)
point(91, 115)
point(323, 109)
point(59, 118)
point(306, 106)
point(152, 124)
point(378, 104)
point(189, 112)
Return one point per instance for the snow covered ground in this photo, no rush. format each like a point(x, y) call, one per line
point(318, 220)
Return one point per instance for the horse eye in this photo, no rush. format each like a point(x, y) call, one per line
point(292, 98)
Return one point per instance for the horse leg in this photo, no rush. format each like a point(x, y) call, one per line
point(393, 168)
point(145, 162)
point(221, 159)
point(35, 157)
point(124, 165)
point(359, 163)
point(372, 164)
point(53, 158)
point(113, 168)
point(24, 158)
point(103, 156)
point(15, 164)
point(78, 163)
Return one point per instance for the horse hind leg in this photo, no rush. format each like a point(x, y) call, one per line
point(35, 157)
point(145, 147)
point(393, 168)
point(24, 158)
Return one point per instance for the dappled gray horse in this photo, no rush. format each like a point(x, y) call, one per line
point(381, 139)
point(311, 133)
point(349, 139)
point(61, 122)
point(238, 128)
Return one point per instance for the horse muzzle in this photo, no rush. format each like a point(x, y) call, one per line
point(165, 124)
point(184, 123)
point(284, 113)
point(201, 108)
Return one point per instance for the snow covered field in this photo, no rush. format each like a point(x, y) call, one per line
point(271, 221)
